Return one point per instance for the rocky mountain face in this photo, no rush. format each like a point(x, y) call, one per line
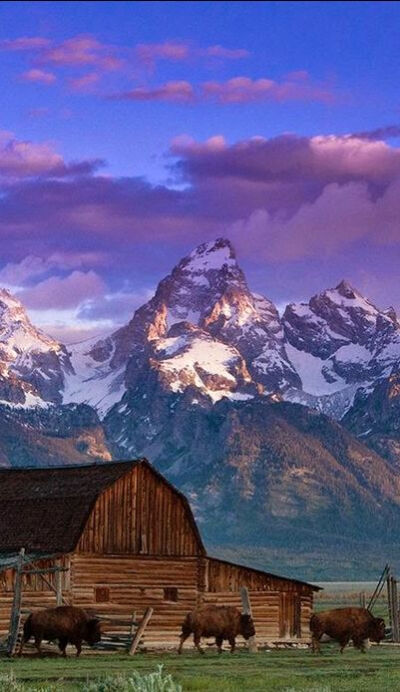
point(32, 365)
point(204, 329)
point(206, 381)
point(319, 354)
point(375, 418)
point(338, 342)
point(263, 474)
point(51, 436)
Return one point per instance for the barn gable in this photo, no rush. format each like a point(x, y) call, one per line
point(141, 514)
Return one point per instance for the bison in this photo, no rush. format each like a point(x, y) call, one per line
point(343, 624)
point(221, 622)
point(68, 624)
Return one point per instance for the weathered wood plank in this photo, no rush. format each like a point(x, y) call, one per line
point(140, 631)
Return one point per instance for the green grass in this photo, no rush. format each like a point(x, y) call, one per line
point(281, 670)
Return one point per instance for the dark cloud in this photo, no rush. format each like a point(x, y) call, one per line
point(380, 133)
point(280, 200)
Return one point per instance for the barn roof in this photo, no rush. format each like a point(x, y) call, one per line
point(46, 509)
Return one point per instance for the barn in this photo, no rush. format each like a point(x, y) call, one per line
point(126, 539)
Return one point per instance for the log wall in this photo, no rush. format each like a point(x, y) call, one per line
point(132, 584)
point(119, 585)
point(274, 620)
point(281, 607)
point(141, 514)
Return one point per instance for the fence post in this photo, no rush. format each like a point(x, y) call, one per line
point(389, 596)
point(140, 630)
point(395, 606)
point(58, 580)
point(15, 618)
point(244, 593)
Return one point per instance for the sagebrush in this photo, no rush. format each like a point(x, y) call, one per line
point(134, 682)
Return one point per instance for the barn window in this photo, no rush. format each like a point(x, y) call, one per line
point(171, 594)
point(101, 594)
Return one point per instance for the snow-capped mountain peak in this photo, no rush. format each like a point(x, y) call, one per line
point(32, 364)
point(212, 255)
point(204, 331)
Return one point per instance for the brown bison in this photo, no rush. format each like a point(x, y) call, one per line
point(343, 624)
point(68, 624)
point(221, 622)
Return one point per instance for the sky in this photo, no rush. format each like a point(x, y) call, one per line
point(130, 132)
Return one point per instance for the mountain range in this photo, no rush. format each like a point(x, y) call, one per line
point(283, 430)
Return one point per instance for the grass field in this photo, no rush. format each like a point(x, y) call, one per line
point(285, 670)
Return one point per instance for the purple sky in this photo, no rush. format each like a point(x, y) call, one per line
point(131, 132)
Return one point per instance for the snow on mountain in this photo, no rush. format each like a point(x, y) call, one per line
point(188, 356)
point(225, 324)
point(338, 342)
point(32, 365)
point(92, 381)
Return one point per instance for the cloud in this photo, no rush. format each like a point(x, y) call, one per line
point(25, 43)
point(41, 76)
point(24, 159)
point(63, 292)
point(82, 51)
point(17, 274)
point(39, 112)
point(179, 51)
point(149, 53)
point(238, 90)
point(84, 83)
point(379, 133)
point(279, 199)
point(340, 216)
point(225, 53)
point(289, 159)
point(247, 90)
point(176, 92)
point(118, 306)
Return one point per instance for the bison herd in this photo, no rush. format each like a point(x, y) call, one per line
point(71, 625)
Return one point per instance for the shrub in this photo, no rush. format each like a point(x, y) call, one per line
point(9, 683)
point(152, 682)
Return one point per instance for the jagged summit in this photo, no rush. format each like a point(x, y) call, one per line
point(211, 255)
point(346, 289)
point(32, 364)
point(8, 301)
point(319, 352)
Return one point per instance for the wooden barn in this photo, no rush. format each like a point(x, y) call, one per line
point(126, 540)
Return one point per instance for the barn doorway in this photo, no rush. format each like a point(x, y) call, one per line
point(289, 615)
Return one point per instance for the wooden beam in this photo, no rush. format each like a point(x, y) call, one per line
point(53, 588)
point(59, 596)
point(395, 607)
point(389, 597)
point(48, 570)
point(140, 631)
point(245, 596)
point(15, 619)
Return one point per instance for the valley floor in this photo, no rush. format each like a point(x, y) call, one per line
point(280, 670)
